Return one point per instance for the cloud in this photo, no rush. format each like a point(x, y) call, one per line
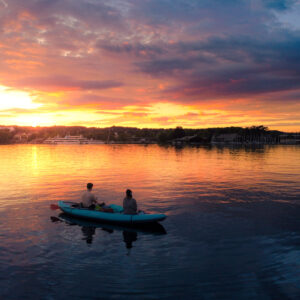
point(136, 49)
point(111, 54)
point(60, 83)
point(13, 111)
point(172, 66)
point(97, 101)
point(205, 17)
point(4, 3)
point(89, 14)
point(279, 4)
point(135, 114)
point(231, 66)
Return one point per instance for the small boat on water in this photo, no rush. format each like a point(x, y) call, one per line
point(116, 216)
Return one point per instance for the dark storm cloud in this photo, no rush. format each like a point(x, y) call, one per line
point(169, 66)
point(231, 65)
point(238, 48)
point(205, 17)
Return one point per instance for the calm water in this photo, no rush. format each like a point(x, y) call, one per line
point(232, 232)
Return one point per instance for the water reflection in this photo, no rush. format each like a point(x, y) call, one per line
point(233, 223)
point(154, 172)
point(129, 238)
point(88, 232)
point(130, 233)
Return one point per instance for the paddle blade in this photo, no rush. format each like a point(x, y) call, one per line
point(55, 219)
point(54, 206)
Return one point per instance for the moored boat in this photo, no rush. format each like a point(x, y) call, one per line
point(116, 217)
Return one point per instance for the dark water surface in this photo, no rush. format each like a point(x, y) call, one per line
point(232, 232)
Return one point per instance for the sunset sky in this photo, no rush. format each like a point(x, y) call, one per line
point(150, 63)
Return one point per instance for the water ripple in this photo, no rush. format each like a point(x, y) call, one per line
point(232, 232)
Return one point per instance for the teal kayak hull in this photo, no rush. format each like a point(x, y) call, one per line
point(115, 217)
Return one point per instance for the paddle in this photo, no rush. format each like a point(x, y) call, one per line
point(54, 206)
point(55, 219)
point(104, 209)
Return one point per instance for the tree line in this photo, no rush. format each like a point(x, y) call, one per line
point(128, 134)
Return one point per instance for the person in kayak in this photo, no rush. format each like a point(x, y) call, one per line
point(129, 204)
point(88, 199)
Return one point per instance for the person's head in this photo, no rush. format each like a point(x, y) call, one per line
point(89, 186)
point(128, 193)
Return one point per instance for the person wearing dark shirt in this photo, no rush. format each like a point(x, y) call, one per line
point(129, 204)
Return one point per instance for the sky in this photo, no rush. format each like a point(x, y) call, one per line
point(150, 63)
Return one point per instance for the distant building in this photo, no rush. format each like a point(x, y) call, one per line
point(234, 138)
point(290, 138)
point(21, 137)
point(226, 138)
point(9, 128)
point(92, 141)
point(71, 140)
point(67, 140)
point(183, 140)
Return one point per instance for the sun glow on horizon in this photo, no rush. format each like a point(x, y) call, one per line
point(34, 120)
point(21, 108)
point(16, 99)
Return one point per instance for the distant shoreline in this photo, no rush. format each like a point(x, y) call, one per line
point(130, 135)
point(161, 144)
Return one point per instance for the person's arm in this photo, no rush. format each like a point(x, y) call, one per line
point(134, 205)
point(94, 200)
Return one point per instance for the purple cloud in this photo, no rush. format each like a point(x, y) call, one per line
point(65, 83)
point(198, 50)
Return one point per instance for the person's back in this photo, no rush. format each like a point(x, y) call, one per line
point(129, 204)
point(88, 199)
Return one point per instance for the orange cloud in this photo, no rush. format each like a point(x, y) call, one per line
point(140, 64)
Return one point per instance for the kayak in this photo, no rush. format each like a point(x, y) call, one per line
point(116, 217)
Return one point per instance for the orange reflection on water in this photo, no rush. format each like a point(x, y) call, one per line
point(157, 175)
